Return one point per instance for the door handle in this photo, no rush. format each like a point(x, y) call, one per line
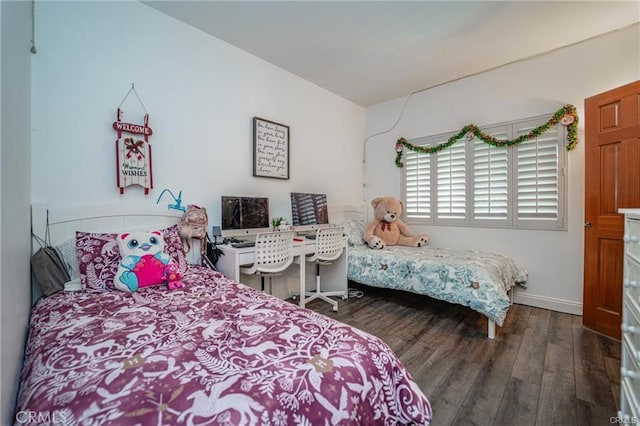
point(587, 224)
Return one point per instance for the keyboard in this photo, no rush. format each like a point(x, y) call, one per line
point(243, 244)
point(307, 235)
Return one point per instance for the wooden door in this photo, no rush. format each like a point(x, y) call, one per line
point(612, 181)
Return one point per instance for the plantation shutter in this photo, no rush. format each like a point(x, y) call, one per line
point(537, 183)
point(490, 179)
point(417, 186)
point(451, 176)
point(476, 184)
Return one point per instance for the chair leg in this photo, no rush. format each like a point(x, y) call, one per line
point(317, 294)
point(270, 283)
point(329, 301)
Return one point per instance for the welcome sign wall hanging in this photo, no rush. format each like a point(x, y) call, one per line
point(133, 150)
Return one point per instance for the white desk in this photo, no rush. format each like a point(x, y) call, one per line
point(334, 276)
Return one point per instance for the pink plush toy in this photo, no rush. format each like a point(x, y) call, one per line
point(173, 276)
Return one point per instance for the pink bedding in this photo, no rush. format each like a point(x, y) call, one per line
point(216, 352)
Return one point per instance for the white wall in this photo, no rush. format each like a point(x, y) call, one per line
point(15, 182)
point(535, 86)
point(201, 94)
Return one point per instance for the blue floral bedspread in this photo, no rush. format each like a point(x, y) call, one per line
point(475, 279)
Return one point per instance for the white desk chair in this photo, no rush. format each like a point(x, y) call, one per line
point(329, 247)
point(273, 254)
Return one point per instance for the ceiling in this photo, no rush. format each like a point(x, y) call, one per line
point(371, 52)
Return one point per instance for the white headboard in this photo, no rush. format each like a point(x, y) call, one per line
point(64, 221)
point(114, 218)
point(343, 213)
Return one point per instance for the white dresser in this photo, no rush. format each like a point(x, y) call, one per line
point(630, 356)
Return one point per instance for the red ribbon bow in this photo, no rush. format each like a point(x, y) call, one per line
point(133, 147)
point(386, 224)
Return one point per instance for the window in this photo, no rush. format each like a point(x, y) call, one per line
point(472, 183)
point(451, 182)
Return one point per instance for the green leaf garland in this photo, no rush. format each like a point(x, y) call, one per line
point(566, 115)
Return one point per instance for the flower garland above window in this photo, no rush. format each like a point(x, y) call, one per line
point(567, 116)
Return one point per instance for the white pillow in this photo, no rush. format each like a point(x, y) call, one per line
point(354, 230)
point(67, 251)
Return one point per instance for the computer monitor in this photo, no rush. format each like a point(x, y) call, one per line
point(244, 215)
point(309, 211)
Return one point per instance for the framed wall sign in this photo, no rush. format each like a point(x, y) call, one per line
point(270, 149)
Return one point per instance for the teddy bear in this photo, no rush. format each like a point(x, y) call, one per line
point(387, 229)
point(172, 276)
point(144, 263)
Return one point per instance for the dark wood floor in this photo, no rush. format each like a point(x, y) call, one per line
point(543, 368)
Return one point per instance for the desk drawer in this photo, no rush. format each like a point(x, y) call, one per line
point(630, 375)
point(631, 280)
point(632, 237)
point(631, 321)
point(245, 259)
point(629, 402)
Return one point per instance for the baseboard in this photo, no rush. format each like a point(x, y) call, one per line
point(553, 304)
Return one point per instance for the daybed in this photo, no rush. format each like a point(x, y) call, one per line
point(479, 280)
point(214, 352)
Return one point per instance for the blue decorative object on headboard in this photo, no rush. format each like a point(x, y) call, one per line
point(178, 205)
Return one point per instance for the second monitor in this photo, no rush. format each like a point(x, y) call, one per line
point(309, 210)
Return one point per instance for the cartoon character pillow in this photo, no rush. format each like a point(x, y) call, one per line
point(144, 263)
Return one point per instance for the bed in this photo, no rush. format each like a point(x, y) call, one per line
point(480, 280)
point(214, 352)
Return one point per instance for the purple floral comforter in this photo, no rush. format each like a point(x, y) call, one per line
point(216, 352)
